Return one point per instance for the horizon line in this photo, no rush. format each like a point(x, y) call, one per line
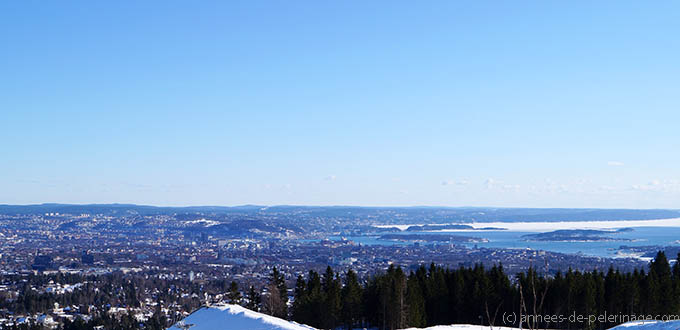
point(333, 205)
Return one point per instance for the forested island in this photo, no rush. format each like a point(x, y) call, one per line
point(578, 235)
point(433, 238)
point(448, 227)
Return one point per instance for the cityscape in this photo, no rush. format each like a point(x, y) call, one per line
point(157, 265)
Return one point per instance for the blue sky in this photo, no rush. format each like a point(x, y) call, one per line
point(485, 103)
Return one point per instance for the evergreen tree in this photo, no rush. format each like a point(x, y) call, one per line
point(351, 300)
point(664, 301)
point(436, 293)
point(234, 294)
point(300, 312)
point(254, 299)
point(676, 284)
point(331, 288)
point(278, 286)
point(316, 299)
point(415, 303)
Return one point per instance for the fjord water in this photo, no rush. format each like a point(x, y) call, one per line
point(639, 236)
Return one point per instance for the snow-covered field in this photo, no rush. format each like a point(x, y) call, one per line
point(234, 317)
point(649, 325)
point(462, 327)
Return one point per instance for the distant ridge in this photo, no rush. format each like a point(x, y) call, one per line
point(450, 214)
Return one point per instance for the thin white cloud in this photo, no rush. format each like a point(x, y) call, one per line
point(330, 178)
point(666, 186)
point(512, 187)
point(454, 183)
point(606, 188)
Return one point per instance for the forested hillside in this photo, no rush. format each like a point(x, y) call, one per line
point(434, 295)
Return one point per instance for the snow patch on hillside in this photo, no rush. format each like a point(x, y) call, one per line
point(234, 317)
point(648, 325)
point(204, 222)
point(462, 327)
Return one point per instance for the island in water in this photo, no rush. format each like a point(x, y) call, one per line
point(578, 235)
point(433, 238)
point(449, 227)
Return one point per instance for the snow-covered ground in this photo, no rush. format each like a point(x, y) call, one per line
point(641, 325)
point(234, 317)
point(649, 325)
point(462, 327)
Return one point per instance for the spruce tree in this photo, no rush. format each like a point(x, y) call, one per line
point(415, 303)
point(254, 299)
point(278, 281)
point(676, 284)
point(351, 300)
point(300, 312)
point(234, 294)
point(331, 289)
point(664, 301)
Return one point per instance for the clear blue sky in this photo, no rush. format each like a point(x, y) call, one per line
point(497, 103)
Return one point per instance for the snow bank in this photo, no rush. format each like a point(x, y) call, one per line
point(462, 327)
point(648, 325)
point(234, 317)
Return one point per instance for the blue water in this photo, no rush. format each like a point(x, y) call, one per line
point(641, 236)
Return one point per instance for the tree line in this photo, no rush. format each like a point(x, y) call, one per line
point(435, 295)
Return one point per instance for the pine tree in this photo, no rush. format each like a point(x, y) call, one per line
point(589, 298)
point(664, 301)
point(254, 299)
point(300, 312)
point(436, 293)
point(278, 286)
point(496, 286)
point(415, 303)
point(331, 289)
point(234, 294)
point(315, 300)
point(676, 284)
point(351, 300)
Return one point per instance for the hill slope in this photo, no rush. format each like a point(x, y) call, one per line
point(648, 325)
point(234, 317)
